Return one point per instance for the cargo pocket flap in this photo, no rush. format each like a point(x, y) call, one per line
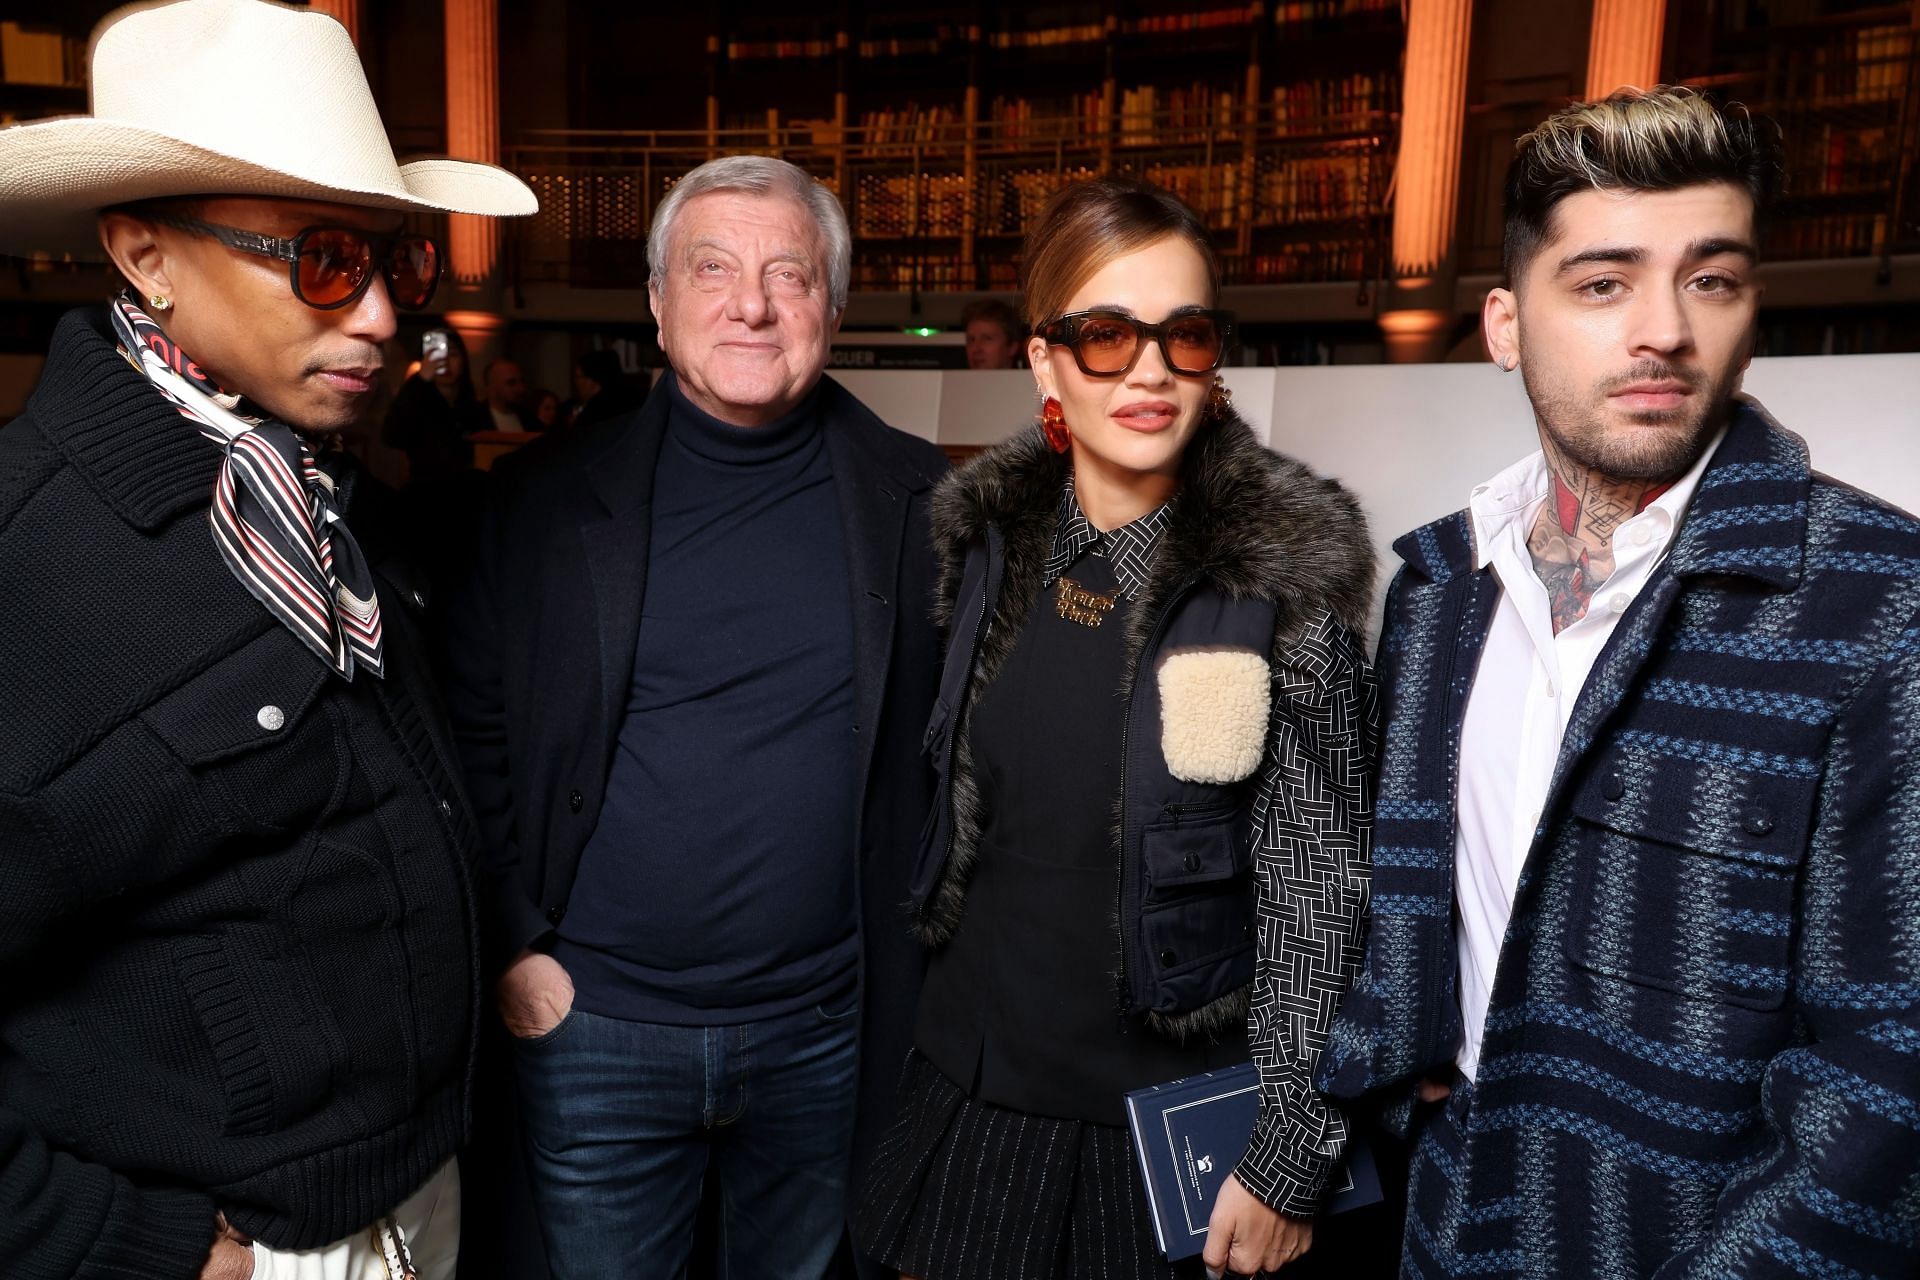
point(1752, 816)
point(252, 697)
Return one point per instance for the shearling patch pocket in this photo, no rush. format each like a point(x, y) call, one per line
point(1213, 713)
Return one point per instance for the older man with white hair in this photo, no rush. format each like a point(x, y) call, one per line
point(689, 681)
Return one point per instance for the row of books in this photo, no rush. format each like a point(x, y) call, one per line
point(1175, 23)
point(1316, 260)
point(1150, 114)
point(1286, 13)
point(31, 56)
point(910, 271)
point(1884, 58)
point(1081, 115)
point(898, 126)
point(1838, 235)
point(738, 49)
point(1868, 65)
point(1047, 37)
point(999, 271)
point(1295, 13)
point(939, 40)
point(1290, 192)
point(1316, 189)
point(1833, 160)
point(1311, 102)
point(1213, 191)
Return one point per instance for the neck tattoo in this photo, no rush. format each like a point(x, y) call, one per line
point(1572, 540)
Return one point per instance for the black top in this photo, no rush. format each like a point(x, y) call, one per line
point(237, 935)
point(718, 885)
point(1022, 1007)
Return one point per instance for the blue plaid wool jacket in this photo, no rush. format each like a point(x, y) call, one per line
point(1702, 1057)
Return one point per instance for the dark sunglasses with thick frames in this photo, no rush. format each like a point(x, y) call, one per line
point(329, 267)
point(1106, 344)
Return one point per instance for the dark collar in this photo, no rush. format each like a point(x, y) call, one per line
point(1130, 548)
point(723, 442)
point(620, 462)
point(148, 462)
point(1250, 522)
point(1748, 517)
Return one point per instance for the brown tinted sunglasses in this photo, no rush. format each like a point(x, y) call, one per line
point(330, 267)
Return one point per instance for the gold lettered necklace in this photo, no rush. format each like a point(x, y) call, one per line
point(1077, 604)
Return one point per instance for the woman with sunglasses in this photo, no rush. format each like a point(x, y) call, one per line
point(1149, 859)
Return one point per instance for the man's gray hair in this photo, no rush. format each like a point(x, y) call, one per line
point(760, 176)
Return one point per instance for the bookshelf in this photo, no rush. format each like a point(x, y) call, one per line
point(946, 129)
point(43, 71)
point(1842, 80)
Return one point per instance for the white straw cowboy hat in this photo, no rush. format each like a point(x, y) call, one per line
point(223, 97)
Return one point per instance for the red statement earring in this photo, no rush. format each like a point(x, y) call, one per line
point(1053, 421)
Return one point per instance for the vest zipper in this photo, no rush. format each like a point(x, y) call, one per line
point(1127, 904)
point(1205, 808)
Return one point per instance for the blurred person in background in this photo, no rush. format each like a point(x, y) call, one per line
point(995, 334)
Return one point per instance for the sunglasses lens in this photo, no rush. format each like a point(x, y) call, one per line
point(413, 271)
point(1106, 343)
point(333, 266)
point(1194, 344)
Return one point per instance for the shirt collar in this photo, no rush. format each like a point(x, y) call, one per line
point(1130, 548)
point(1506, 505)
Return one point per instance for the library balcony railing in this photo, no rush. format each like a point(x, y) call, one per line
point(941, 205)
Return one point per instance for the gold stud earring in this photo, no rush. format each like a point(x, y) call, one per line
point(159, 301)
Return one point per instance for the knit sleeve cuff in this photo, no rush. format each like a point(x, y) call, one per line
point(153, 1235)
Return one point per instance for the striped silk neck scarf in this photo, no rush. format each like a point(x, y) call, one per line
point(275, 517)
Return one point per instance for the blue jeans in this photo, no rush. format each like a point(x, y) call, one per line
point(622, 1117)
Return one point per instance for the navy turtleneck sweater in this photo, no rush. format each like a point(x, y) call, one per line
point(719, 884)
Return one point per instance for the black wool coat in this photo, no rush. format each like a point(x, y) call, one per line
point(542, 638)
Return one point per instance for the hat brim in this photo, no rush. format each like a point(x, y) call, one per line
point(55, 174)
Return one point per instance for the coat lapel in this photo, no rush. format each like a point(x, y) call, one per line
point(1747, 519)
point(874, 489)
point(614, 534)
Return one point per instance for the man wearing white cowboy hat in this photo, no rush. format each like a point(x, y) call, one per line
point(237, 932)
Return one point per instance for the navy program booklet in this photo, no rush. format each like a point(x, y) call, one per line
point(1190, 1133)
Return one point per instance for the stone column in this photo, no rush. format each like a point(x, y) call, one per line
point(473, 133)
point(1623, 49)
point(1434, 102)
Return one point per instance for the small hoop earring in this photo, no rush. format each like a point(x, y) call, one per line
point(159, 301)
point(1053, 423)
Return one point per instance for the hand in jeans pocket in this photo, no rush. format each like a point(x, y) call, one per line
point(534, 994)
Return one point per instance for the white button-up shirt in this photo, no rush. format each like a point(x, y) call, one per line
point(1523, 696)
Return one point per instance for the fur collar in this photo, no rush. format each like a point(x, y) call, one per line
point(1249, 521)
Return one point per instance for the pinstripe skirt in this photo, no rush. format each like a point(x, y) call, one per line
point(964, 1190)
